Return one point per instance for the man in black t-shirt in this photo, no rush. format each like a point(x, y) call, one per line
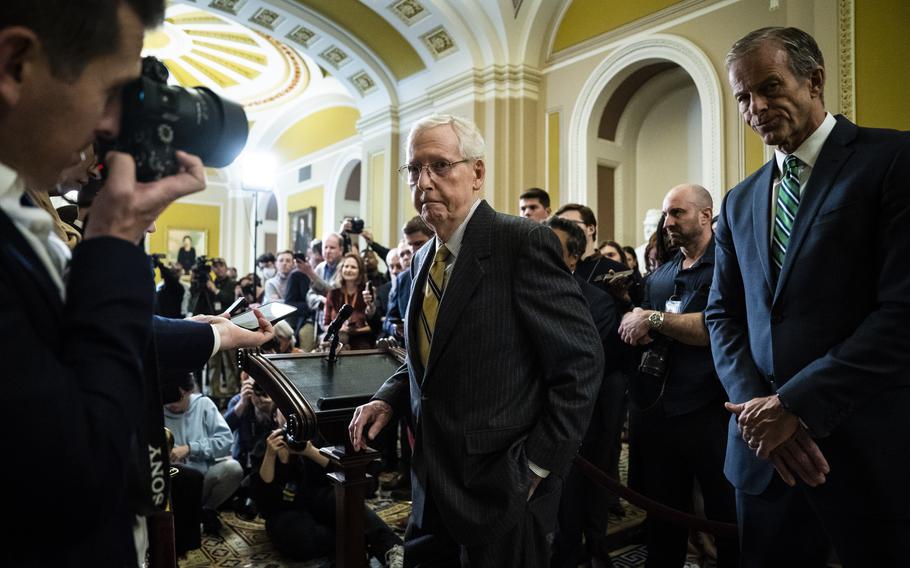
point(677, 420)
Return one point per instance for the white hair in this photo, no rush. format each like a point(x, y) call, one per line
point(470, 141)
point(393, 253)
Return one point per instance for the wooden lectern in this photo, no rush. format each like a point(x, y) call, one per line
point(318, 396)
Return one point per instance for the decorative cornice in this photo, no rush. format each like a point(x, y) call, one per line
point(380, 123)
point(495, 81)
point(661, 18)
point(846, 61)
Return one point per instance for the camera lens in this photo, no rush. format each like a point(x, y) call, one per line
point(159, 119)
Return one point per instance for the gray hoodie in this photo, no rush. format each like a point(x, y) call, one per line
point(202, 427)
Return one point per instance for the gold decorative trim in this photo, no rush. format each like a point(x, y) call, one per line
point(299, 76)
point(846, 61)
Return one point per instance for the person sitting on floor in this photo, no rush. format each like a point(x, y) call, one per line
point(298, 504)
point(202, 441)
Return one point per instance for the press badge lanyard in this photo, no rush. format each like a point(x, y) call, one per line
point(674, 304)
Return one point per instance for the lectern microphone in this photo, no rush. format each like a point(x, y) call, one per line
point(343, 314)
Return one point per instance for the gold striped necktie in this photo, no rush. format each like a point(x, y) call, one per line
point(432, 295)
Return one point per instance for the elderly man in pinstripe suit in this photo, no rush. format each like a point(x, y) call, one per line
point(503, 366)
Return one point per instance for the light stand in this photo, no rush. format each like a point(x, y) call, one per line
point(258, 176)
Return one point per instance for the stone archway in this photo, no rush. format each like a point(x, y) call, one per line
point(609, 75)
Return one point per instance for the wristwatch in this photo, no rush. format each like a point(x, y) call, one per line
point(656, 320)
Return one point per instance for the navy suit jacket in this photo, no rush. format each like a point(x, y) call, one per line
point(73, 402)
point(76, 395)
point(398, 301)
point(513, 371)
point(830, 337)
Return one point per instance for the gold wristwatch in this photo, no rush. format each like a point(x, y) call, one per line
point(656, 320)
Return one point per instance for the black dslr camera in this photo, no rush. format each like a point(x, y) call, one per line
point(159, 119)
point(655, 360)
point(356, 226)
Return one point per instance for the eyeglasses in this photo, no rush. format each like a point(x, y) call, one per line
point(439, 168)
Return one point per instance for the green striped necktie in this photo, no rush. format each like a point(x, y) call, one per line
point(787, 205)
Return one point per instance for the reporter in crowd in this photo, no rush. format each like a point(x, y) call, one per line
point(350, 284)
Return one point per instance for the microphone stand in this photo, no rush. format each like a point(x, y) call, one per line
point(335, 330)
point(333, 347)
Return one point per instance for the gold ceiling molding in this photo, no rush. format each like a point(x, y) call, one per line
point(247, 72)
point(236, 52)
point(218, 77)
point(246, 65)
point(198, 17)
point(373, 31)
point(846, 60)
point(299, 75)
point(226, 36)
point(182, 76)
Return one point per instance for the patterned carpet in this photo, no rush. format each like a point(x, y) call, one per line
point(244, 544)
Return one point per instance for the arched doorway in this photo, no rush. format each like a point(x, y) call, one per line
point(649, 117)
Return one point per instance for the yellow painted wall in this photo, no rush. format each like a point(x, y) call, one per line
point(314, 197)
point(882, 41)
point(754, 150)
point(183, 216)
point(553, 159)
point(378, 196)
point(316, 131)
point(589, 18)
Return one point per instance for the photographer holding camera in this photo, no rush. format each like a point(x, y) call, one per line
point(76, 330)
point(204, 293)
point(353, 227)
point(678, 432)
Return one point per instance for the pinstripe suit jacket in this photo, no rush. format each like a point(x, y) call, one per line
point(514, 368)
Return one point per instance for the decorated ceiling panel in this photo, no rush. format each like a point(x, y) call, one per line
point(203, 48)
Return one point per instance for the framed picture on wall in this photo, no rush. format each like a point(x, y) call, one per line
point(303, 228)
point(185, 245)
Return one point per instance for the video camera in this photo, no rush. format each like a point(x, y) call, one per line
point(159, 119)
point(202, 272)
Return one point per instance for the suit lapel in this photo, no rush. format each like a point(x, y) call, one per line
point(22, 256)
point(466, 275)
point(832, 158)
point(761, 219)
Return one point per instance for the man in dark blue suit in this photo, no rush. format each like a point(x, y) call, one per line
point(74, 332)
point(503, 367)
point(416, 234)
point(813, 351)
